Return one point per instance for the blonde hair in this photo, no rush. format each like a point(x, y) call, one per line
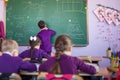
point(9, 46)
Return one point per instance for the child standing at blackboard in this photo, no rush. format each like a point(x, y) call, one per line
point(45, 35)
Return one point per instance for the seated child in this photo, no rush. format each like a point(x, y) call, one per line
point(34, 53)
point(9, 60)
point(63, 63)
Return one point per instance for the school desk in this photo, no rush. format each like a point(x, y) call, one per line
point(10, 76)
point(109, 57)
point(33, 74)
point(92, 59)
point(111, 67)
point(103, 72)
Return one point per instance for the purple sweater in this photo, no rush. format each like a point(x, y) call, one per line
point(38, 53)
point(10, 64)
point(45, 36)
point(68, 65)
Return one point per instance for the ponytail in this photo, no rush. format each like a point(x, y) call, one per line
point(33, 41)
point(32, 51)
point(56, 67)
point(59, 50)
point(62, 43)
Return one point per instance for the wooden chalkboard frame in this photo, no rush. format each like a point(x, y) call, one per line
point(22, 23)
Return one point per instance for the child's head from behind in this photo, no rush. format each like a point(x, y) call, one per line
point(10, 46)
point(34, 41)
point(41, 24)
point(63, 43)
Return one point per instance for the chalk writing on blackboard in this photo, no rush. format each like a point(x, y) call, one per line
point(63, 16)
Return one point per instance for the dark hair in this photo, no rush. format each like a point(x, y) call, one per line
point(62, 43)
point(41, 24)
point(33, 43)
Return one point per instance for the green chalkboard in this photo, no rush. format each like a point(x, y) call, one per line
point(63, 16)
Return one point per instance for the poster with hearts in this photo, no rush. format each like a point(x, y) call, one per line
point(99, 12)
point(108, 15)
point(115, 17)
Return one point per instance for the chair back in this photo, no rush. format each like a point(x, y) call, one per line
point(47, 76)
point(9, 76)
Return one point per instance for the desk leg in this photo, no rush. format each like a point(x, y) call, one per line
point(34, 77)
point(102, 78)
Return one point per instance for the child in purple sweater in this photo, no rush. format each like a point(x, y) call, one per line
point(34, 54)
point(63, 63)
point(45, 35)
point(9, 60)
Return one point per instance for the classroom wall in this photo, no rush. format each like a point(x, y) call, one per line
point(2, 10)
point(3, 13)
point(97, 34)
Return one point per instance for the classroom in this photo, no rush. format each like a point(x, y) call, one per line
point(92, 34)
